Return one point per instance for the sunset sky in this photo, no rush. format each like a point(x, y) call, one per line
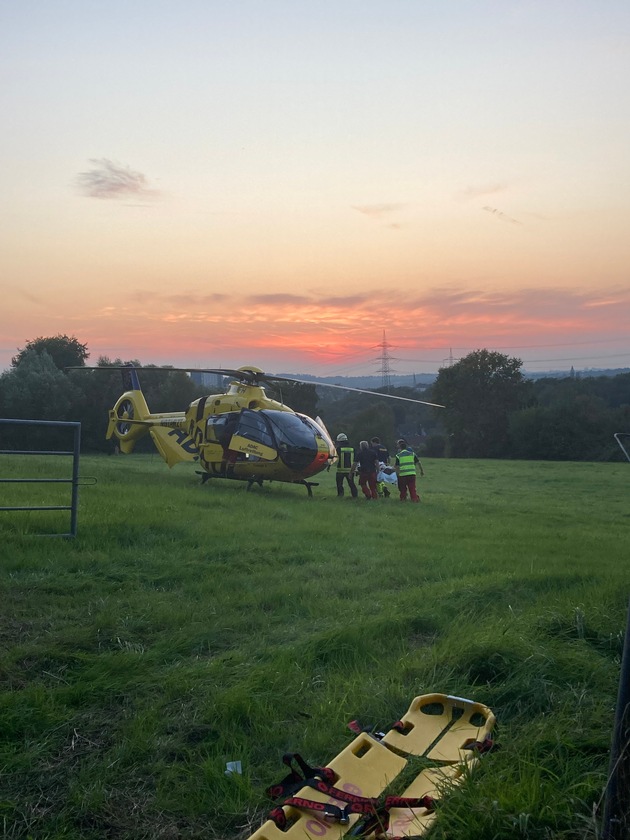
point(277, 182)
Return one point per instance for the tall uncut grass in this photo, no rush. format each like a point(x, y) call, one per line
point(191, 625)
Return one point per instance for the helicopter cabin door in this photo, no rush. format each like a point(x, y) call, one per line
point(253, 437)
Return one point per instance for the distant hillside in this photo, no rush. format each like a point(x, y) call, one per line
point(370, 383)
point(423, 380)
point(581, 374)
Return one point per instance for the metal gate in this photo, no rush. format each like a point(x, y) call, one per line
point(73, 480)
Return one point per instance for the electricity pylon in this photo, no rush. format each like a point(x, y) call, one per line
point(385, 359)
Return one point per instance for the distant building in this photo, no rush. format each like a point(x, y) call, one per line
point(212, 381)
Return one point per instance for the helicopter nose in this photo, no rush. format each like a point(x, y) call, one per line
point(319, 462)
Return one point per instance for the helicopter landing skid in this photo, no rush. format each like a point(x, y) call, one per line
point(303, 481)
point(259, 481)
point(308, 485)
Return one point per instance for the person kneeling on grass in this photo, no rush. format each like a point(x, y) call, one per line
point(367, 466)
point(406, 461)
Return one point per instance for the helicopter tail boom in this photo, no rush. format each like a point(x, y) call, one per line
point(174, 445)
point(130, 420)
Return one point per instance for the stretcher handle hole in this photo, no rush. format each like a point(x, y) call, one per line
point(478, 719)
point(432, 709)
point(292, 818)
point(362, 749)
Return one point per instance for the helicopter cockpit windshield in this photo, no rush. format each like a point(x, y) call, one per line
point(267, 434)
point(295, 436)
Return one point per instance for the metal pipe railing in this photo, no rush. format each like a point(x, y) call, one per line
point(74, 480)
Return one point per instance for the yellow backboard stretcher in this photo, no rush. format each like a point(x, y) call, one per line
point(444, 730)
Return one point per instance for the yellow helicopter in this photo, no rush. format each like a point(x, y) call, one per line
point(241, 434)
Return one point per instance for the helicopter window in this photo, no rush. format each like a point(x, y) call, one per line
point(316, 429)
point(295, 437)
point(221, 427)
point(253, 426)
point(319, 428)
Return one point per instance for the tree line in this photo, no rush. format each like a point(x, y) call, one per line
point(48, 380)
point(491, 409)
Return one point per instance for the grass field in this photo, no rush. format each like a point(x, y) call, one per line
point(188, 626)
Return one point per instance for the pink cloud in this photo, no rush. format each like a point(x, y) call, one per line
point(325, 325)
point(310, 330)
point(476, 191)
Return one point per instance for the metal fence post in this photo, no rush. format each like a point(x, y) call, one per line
point(616, 825)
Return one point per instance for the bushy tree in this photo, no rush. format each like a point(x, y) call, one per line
point(300, 396)
point(613, 390)
point(166, 389)
point(434, 446)
point(65, 351)
point(363, 416)
point(96, 393)
point(36, 390)
point(377, 420)
point(480, 392)
point(580, 429)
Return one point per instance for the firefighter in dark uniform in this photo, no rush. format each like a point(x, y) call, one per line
point(344, 466)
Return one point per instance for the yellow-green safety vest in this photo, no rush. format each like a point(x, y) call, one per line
point(406, 462)
point(346, 457)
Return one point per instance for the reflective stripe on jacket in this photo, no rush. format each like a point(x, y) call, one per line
point(346, 458)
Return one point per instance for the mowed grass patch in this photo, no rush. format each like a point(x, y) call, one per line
point(190, 625)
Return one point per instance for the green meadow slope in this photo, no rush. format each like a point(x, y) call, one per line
point(188, 626)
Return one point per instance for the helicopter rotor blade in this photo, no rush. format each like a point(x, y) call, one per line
point(252, 377)
point(362, 391)
point(256, 377)
point(244, 375)
point(159, 369)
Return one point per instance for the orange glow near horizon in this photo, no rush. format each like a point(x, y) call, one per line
point(328, 331)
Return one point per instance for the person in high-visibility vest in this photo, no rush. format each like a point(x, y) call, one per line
point(344, 466)
point(406, 462)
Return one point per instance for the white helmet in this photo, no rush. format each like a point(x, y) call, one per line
point(341, 437)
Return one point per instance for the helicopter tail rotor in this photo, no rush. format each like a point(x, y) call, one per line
point(127, 417)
